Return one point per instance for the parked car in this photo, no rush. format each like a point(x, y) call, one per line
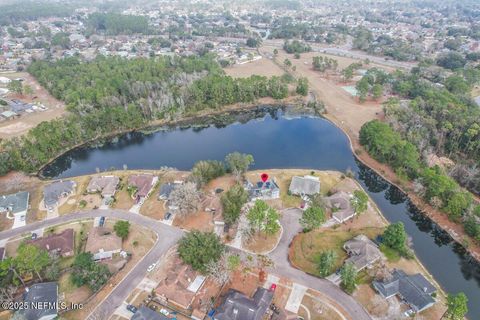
point(131, 308)
point(151, 267)
point(273, 287)
point(101, 222)
point(34, 236)
point(168, 216)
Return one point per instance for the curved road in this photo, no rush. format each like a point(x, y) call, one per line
point(291, 227)
point(167, 236)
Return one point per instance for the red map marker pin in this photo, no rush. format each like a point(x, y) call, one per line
point(264, 177)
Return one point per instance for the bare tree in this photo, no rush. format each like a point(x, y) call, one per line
point(7, 293)
point(186, 198)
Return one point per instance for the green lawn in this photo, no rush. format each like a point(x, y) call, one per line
point(307, 247)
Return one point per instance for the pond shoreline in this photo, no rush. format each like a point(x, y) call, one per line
point(157, 125)
point(455, 230)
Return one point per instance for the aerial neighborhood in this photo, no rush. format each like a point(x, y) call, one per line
point(240, 160)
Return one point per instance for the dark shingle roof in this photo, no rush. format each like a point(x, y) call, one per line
point(16, 202)
point(415, 289)
point(54, 191)
point(46, 292)
point(144, 313)
point(237, 306)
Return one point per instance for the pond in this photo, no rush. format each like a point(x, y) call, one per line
point(278, 138)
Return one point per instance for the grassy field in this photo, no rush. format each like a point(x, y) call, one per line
point(307, 247)
point(261, 242)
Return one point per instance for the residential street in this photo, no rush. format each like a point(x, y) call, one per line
point(291, 227)
point(168, 236)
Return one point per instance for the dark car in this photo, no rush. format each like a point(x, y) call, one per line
point(131, 308)
point(101, 222)
point(168, 216)
point(34, 236)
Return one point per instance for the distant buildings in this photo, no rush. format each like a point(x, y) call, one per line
point(54, 192)
point(238, 306)
point(306, 185)
point(415, 289)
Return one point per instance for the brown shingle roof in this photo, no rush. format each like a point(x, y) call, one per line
point(143, 182)
point(63, 242)
point(107, 185)
point(102, 238)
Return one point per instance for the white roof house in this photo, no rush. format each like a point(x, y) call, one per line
point(307, 185)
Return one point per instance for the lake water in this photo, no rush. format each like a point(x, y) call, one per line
point(280, 140)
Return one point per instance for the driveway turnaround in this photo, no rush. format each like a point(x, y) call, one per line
point(166, 237)
point(291, 227)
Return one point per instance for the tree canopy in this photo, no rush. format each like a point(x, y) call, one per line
point(198, 249)
point(232, 202)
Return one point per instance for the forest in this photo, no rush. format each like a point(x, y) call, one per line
point(115, 24)
point(111, 94)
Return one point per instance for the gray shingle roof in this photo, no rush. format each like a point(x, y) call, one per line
point(238, 306)
point(144, 313)
point(46, 292)
point(54, 191)
point(307, 185)
point(415, 289)
point(363, 252)
point(17, 202)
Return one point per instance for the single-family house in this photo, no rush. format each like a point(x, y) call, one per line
point(103, 243)
point(145, 313)
point(106, 185)
point(144, 184)
point(8, 115)
point(306, 185)
point(415, 290)
point(181, 285)
point(362, 252)
point(238, 306)
point(263, 190)
point(165, 190)
point(62, 243)
point(47, 293)
point(16, 204)
point(341, 206)
point(57, 190)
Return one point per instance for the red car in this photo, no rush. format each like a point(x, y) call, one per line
point(273, 287)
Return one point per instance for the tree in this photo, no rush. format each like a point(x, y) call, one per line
point(377, 91)
point(456, 306)
point(451, 60)
point(28, 90)
point(302, 86)
point(31, 259)
point(186, 197)
point(457, 85)
point(395, 236)
point(287, 63)
point(348, 275)
point(458, 204)
point(326, 263)
point(238, 163)
point(87, 272)
point(122, 229)
point(15, 86)
point(359, 201)
point(312, 218)
point(262, 217)
point(362, 87)
point(253, 42)
point(232, 203)
point(206, 170)
point(275, 51)
point(198, 249)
